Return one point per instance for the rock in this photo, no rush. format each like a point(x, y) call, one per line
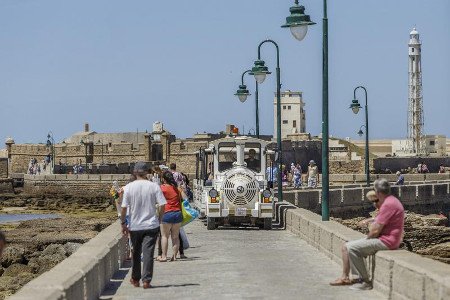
point(19, 203)
point(40, 203)
point(12, 284)
point(54, 249)
point(6, 283)
point(70, 247)
point(44, 263)
point(12, 255)
point(435, 220)
point(110, 208)
point(16, 270)
point(440, 250)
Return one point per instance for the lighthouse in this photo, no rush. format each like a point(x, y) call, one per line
point(416, 143)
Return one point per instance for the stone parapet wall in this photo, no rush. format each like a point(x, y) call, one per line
point(346, 167)
point(84, 274)
point(3, 168)
point(350, 201)
point(95, 185)
point(71, 154)
point(398, 274)
point(6, 185)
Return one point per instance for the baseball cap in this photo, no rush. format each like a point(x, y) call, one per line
point(140, 166)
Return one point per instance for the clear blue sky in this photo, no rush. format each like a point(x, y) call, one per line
point(121, 65)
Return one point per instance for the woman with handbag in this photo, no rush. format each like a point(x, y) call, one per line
point(171, 221)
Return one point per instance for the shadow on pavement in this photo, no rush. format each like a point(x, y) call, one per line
point(115, 282)
point(174, 285)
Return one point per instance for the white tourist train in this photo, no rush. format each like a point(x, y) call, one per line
point(231, 187)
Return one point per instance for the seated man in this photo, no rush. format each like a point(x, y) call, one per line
point(400, 178)
point(252, 162)
point(385, 233)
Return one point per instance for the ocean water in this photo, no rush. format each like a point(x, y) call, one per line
point(8, 218)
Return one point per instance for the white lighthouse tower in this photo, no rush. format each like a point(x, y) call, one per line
point(416, 143)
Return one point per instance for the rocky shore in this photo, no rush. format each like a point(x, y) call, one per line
point(425, 235)
point(36, 246)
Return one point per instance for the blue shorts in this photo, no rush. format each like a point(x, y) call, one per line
point(172, 217)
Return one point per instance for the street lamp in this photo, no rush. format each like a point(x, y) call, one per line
point(260, 71)
point(298, 23)
point(100, 141)
point(360, 132)
point(85, 143)
point(355, 106)
point(243, 93)
point(51, 143)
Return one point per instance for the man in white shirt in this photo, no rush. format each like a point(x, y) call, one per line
point(140, 198)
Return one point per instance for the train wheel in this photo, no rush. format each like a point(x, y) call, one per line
point(210, 223)
point(267, 223)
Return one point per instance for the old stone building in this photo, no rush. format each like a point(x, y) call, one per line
point(3, 167)
point(90, 148)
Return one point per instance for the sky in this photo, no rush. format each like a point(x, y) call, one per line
point(122, 65)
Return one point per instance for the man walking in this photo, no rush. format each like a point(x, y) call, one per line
point(140, 198)
point(385, 233)
point(313, 175)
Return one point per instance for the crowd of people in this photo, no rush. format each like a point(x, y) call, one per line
point(293, 175)
point(35, 167)
point(150, 209)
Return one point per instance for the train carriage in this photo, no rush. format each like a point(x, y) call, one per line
point(231, 186)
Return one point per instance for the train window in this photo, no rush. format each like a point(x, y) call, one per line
point(253, 156)
point(226, 155)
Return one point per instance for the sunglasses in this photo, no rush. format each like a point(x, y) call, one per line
point(375, 201)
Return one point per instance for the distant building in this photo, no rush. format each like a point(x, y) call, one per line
point(434, 145)
point(293, 118)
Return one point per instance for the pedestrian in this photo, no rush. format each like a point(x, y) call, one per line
point(400, 178)
point(313, 174)
point(139, 199)
point(172, 218)
point(297, 176)
point(284, 177)
point(441, 169)
point(424, 168)
point(385, 233)
point(271, 174)
point(176, 175)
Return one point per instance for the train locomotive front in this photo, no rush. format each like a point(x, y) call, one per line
point(235, 191)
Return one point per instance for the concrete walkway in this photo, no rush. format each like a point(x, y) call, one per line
point(241, 264)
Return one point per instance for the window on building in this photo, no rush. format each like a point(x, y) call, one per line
point(294, 123)
point(432, 143)
point(285, 122)
point(284, 106)
point(289, 107)
point(412, 50)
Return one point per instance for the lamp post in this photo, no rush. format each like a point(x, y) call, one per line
point(242, 94)
point(260, 71)
point(85, 143)
point(100, 141)
point(355, 106)
point(51, 143)
point(298, 23)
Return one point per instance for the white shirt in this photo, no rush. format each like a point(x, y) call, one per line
point(140, 197)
